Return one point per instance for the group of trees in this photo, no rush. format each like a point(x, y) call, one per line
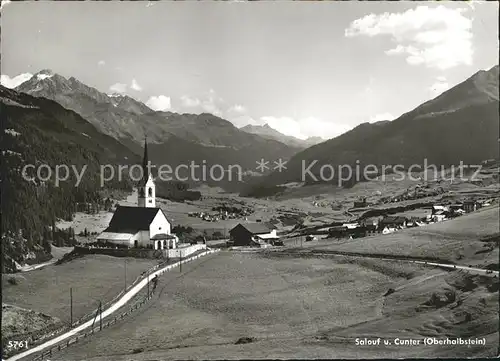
point(176, 191)
point(190, 235)
point(48, 135)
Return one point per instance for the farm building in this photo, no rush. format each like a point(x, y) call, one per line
point(390, 224)
point(393, 221)
point(439, 209)
point(142, 226)
point(471, 206)
point(371, 221)
point(253, 234)
point(414, 222)
point(439, 216)
point(360, 203)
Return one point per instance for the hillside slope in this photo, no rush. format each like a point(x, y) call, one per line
point(202, 137)
point(462, 124)
point(268, 132)
point(38, 131)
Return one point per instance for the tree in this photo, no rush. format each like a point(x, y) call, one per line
point(53, 229)
point(107, 204)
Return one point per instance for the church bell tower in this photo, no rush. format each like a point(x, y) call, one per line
point(147, 192)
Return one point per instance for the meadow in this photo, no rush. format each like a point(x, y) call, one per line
point(457, 240)
point(93, 278)
point(294, 307)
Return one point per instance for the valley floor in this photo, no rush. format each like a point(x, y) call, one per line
point(93, 278)
point(301, 308)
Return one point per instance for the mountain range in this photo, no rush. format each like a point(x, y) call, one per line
point(52, 120)
point(174, 139)
point(129, 120)
point(444, 130)
point(461, 124)
point(266, 131)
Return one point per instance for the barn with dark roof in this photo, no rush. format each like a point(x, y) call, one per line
point(253, 234)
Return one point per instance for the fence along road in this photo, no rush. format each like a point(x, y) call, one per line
point(120, 303)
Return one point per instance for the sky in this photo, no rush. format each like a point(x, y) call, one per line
point(305, 68)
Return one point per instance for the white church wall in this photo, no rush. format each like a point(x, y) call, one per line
point(149, 200)
point(159, 225)
point(184, 251)
point(150, 193)
point(142, 238)
point(128, 243)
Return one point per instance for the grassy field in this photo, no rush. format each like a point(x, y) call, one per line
point(16, 320)
point(446, 240)
point(292, 307)
point(93, 278)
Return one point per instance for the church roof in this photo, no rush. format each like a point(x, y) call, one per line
point(131, 219)
point(256, 227)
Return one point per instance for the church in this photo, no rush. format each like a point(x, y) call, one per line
point(144, 226)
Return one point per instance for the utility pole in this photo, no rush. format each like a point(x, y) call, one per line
point(71, 304)
point(180, 262)
point(125, 273)
point(100, 315)
point(148, 284)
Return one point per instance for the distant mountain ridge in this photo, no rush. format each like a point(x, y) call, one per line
point(200, 136)
point(462, 124)
point(126, 118)
point(268, 132)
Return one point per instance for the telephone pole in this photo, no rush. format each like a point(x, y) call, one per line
point(100, 315)
point(71, 305)
point(180, 261)
point(125, 274)
point(148, 283)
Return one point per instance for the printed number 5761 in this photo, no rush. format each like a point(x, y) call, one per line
point(17, 344)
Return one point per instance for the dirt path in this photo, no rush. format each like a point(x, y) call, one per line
point(120, 303)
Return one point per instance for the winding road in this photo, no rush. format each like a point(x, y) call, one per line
point(112, 309)
point(134, 290)
point(475, 270)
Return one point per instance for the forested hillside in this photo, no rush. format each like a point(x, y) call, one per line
point(38, 131)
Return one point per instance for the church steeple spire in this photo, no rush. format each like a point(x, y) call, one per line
point(147, 192)
point(145, 159)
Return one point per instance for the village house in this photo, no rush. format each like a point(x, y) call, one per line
point(471, 206)
point(370, 224)
point(144, 226)
point(337, 232)
point(439, 208)
point(439, 216)
point(390, 224)
point(253, 234)
point(351, 225)
point(455, 210)
point(413, 222)
point(361, 203)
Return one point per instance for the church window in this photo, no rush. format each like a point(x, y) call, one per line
point(150, 192)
